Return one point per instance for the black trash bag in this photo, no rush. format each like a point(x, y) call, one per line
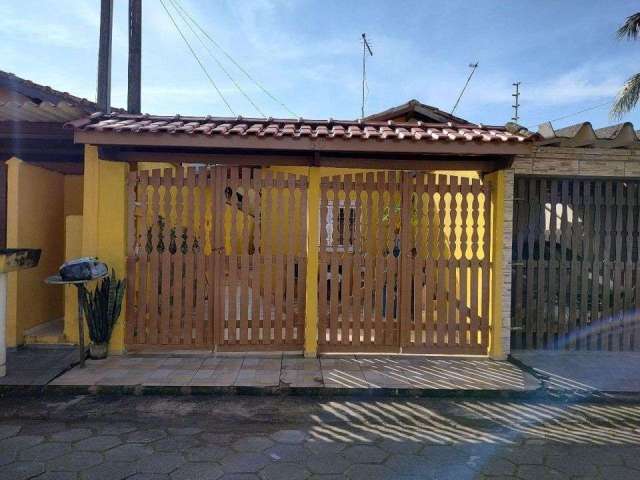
point(84, 268)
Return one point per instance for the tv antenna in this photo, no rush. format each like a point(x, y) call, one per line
point(365, 48)
point(516, 105)
point(473, 67)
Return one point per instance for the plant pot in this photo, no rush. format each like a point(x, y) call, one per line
point(98, 351)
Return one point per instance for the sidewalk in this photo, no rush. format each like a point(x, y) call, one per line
point(344, 374)
point(583, 373)
point(36, 366)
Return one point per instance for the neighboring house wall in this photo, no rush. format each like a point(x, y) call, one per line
point(594, 162)
point(561, 162)
point(37, 202)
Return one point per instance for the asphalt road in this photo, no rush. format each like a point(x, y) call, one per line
point(236, 437)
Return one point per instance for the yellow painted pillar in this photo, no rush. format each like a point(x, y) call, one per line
point(313, 251)
point(500, 301)
point(105, 221)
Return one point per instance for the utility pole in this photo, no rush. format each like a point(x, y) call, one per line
point(135, 57)
point(473, 67)
point(516, 105)
point(104, 56)
point(365, 48)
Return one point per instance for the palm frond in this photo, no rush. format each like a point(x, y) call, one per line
point(627, 98)
point(630, 29)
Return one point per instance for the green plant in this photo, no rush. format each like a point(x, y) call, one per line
point(102, 307)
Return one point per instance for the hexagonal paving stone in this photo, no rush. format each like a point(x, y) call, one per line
point(146, 436)
point(21, 470)
point(129, 452)
point(20, 442)
point(198, 471)
point(532, 455)
point(409, 465)
point(444, 454)
point(109, 471)
point(160, 463)
point(617, 472)
point(327, 464)
point(210, 453)
point(572, 466)
point(365, 454)
point(244, 462)
point(175, 444)
point(536, 472)
point(287, 453)
point(370, 472)
point(400, 446)
point(218, 438)
point(98, 443)
point(71, 435)
point(497, 466)
point(322, 447)
point(184, 430)
point(279, 471)
point(117, 428)
point(149, 476)
point(45, 451)
point(9, 431)
point(252, 444)
point(58, 476)
point(289, 436)
point(240, 476)
point(75, 461)
point(7, 456)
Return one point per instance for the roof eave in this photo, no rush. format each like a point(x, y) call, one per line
point(321, 144)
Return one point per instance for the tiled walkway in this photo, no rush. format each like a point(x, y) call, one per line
point(339, 372)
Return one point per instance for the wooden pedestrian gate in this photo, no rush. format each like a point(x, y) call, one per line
point(576, 274)
point(216, 259)
point(404, 263)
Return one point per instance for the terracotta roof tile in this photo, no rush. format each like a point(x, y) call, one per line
point(296, 128)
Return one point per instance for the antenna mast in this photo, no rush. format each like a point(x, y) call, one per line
point(365, 48)
point(473, 67)
point(516, 105)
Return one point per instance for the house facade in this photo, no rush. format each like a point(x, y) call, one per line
point(314, 236)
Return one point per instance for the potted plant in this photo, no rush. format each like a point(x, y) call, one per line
point(102, 309)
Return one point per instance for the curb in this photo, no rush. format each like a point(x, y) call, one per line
point(282, 390)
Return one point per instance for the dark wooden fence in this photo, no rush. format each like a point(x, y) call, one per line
point(575, 264)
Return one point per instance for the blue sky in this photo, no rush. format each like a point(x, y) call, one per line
point(308, 53)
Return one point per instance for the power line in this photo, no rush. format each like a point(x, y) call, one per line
point(238, 66)
point(195, 55)
point(473, 67)
point(182, 14)
point(600, 105)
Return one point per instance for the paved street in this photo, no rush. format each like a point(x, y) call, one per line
point(244, 437)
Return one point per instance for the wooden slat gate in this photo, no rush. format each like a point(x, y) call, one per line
point(575, 264)
point(216, 259)
point(404, 263)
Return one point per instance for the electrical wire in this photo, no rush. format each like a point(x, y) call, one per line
point(195, 55)
point(181, 12)
point(600, 105)
point(238, 66)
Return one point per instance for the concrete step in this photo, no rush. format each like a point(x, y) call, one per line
point(47, 333)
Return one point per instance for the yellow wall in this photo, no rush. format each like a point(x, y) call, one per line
point(104, 221)
point(73, 185)
point(72, 249)
point(35, 219)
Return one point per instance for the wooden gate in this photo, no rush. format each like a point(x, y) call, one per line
point(575, 264)
point(216, 259)
point(404, 263)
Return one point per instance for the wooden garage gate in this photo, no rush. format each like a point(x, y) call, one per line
point(404, 263)
point(216, 259)
point(575, 264)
